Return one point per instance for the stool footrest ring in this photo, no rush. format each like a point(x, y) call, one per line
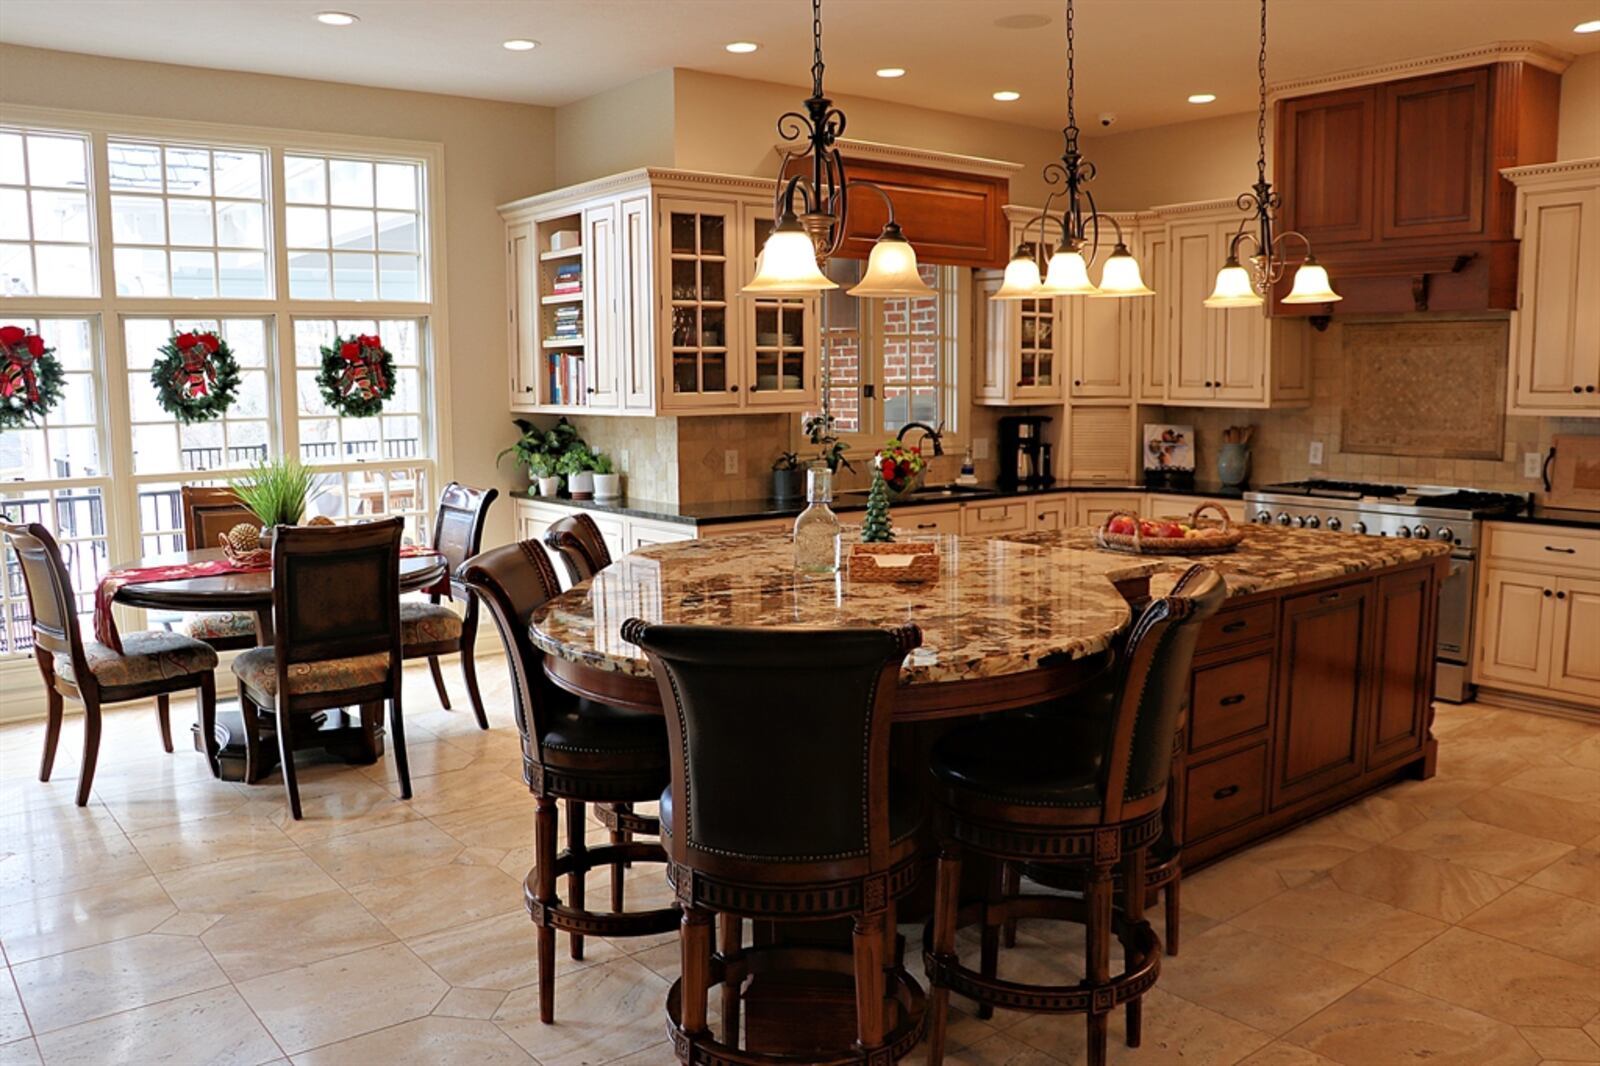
point(599, 923)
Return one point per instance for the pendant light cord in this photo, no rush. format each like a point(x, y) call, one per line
point(816, 47)
point(1261, 114)
point(1072, 114)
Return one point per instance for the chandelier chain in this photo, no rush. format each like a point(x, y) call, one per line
point(1072, 114)
point(1261, 113)
point(816, 47)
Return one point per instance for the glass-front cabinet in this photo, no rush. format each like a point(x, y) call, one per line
point(782, 333)
point(699, 264)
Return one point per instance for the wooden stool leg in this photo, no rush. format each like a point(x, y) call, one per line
point(993, 919)
point(54, 708)
point(577, 847)
point(91, 746)
point(619, 836)
point(1011, 885)
point(1097, 952)
point(730, 933)
point(946, 903)
point(164, 720)
point(1173, 905)
point(694, 942)
point(1133, 893)
point(438, 681)
point(866, 943)
point(545, 833)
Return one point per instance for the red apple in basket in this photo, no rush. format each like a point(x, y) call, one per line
point(1122, 524)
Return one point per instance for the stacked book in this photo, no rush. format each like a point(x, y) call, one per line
point(569, 378)
point(568, 279)
point(568, 323)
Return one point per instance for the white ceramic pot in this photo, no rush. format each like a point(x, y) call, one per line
point(581, 485)
point(607, 486)
point(550, 486)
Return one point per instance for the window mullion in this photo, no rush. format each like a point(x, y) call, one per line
point(117, 432)
point(285, 430)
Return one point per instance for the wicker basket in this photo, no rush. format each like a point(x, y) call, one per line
point(251, 559)
point(923, 565)
point(1224, 539)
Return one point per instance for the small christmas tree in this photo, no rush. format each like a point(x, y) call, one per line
point(875, 528)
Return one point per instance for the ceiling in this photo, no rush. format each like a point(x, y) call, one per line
point(1137, 58)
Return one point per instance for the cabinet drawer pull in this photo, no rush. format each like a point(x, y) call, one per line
point(927, 525)
point(1547, 593)
point(1328, 597)
point(1225, 792)
point(1561, 595)
point(1234, 627)
point(1229, 701)
point(1563, 551)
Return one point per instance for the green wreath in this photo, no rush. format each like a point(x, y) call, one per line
point(31, 382)
point(357, 375)
point(196, 377)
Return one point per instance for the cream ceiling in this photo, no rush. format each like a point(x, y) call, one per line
point(1137, 58)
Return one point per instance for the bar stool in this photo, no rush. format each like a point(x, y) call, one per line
point(575, 750)
point(780, 810)
point(580, 544)
point(1085, 789)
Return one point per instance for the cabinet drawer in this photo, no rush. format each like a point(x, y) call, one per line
point(1543, 546)
point(998, 517)
point(928, 519)
point(1229, 700)
point(1237, 625)
point(1225, 792)
point(1051, 515)
point(729, 529)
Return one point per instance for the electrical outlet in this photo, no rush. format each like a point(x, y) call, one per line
point(730, 462)
point(1315, 458)
point(625, 459)
point(980, 448)
point(1532, 464)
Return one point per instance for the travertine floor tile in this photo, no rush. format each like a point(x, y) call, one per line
point(997, 1049)
point(213, 1027)
point(1481, 846)
point(424, 1042)
point(79, 986)
point(470, 1003)
point(1505, 981)
point(358, 858)
point(1307, 852)
point(198, 841)
point(269, 937)
point(1554, 924)
point(1281, 1053)
point(430, 900)
point(1321, 918)
point(1576, 784)
point(500, 825)
point(187, 923)
point(1573, 1045)
point(1575, 874)
point(1176, 1033)
point(1385, 1023)
point(20, 1053)
point(1534, 815)
point(499, 952)
point(50, 925)
point(602, 1013)
point(68, 866)
point(336, 999)
point(1374, 819)
point(248, 881)
point(457, 790)
point(1445, 890)
point(13, 1019)
point(1230, 887)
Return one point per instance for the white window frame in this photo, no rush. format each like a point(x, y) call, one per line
point(19, 694)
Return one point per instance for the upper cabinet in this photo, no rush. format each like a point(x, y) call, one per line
point(1397, 183)
point(1555, 330)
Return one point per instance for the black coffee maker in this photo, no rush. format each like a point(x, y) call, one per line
point(1024, 454)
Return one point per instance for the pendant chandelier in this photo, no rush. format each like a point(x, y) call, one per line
point(790, 263)
point(1067, 273)
point(1249, 283)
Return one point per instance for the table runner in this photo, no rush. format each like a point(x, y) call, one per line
point(105, 625)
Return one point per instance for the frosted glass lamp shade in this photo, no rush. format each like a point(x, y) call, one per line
point(1233, 287)
point(1311, 285)
point(891, 269)
point(1068, 274)
point(787, 265)
point(1022, 278)
point(1121, 277)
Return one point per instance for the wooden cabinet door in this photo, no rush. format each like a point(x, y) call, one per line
point(1400, 657)
point(602, 307)
point(697, 275)
point(1194, 327)
point(1325, 146)
point(1052, 515)
point(1557, 357)
point(1037, 340)
point(522, 264)
point(1321, 733)
point(1093, 509)
point(1516, 631)
point(1102, 344)
point(1433, 155)
point(637, 371)
point(1155, 319)
point(992, 348)
point(1575, 649)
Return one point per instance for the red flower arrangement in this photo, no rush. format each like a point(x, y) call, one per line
point(902, 467)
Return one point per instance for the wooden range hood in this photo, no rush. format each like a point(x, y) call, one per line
point(1396, 180)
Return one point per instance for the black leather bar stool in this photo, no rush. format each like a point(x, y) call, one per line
point(575, 750)
point(780, 811)
point(1080, 786)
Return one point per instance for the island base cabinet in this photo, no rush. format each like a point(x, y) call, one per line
point(1322, 698)
point(1401, 667)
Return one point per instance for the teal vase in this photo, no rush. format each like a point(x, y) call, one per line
point(1233, 465)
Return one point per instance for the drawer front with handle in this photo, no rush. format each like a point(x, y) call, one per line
point(926, 520)
point(1225, 792)
point(1229, 700)
point(980, 518)
point(1564, 549)
point(1237, 625)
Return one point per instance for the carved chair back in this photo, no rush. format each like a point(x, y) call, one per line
point(210, 511)
point(458, 528)
point(514, 581)
point(50, 597)
point(336, 593)
point(581, 546)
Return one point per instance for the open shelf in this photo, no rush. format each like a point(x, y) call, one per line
point(561, 253)
point(562, 298)
point(575, 342)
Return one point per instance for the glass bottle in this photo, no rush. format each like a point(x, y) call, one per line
point(816, 531)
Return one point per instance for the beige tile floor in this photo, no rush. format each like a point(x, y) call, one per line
point(183, 920)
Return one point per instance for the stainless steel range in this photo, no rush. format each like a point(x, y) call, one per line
point(1425, 512)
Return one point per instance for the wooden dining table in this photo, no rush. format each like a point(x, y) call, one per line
point(354, 734)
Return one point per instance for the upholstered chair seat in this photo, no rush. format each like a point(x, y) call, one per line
point(1029, 759)
point(145, 657)
point(580, 727)
point(258, 668)
point(221, 626)
point(427, 623)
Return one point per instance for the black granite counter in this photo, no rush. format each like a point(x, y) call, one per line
point(1553, 516)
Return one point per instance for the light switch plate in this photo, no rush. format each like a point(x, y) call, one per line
point(625, 459)
point(1532, 464)
point(980, 447)
point(730, 462)
point(1315, 458)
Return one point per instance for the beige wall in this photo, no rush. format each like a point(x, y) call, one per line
point(1578, 136)
point(493, 152)
point(621, 129)
point(1203, 160)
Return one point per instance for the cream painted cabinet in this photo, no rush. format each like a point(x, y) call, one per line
point(1092, 509)
point(602, 307)
point(1103, 345)
point(1020, 344)
point(1153, 315)
point(782, 334)
point(1556, 326)
point(1518, 630)
point(637, 369)
point(1539, 612)
point(522, 340)
point(1052, 513)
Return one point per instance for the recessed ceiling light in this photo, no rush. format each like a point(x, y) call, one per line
point(892, 72)
point(741, 47)
point(336, 18)
point(519, 44)
point(1005, 96)
point(1202, 98)
point(1592, 26)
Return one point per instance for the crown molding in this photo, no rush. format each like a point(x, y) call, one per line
point(1226, 206)
point(904, 155)
point(643, 178)
point(1551, 173)
point(1536, 53)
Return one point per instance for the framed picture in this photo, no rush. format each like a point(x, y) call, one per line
point(1168, 447)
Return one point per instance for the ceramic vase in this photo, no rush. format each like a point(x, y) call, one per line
point(607, 486)
point(550, 486)
point(1233, 465)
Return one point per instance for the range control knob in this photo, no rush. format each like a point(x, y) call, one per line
point(1334, 524)
point(1300, 521)
point(1359, 527)
point(1446, 534)
point(1313, 522)
point(1420, 532)
point(1263, 517)
point(1283, 518)
point(1403, 531)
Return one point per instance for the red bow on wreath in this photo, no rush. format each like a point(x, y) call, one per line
point(363, 373)
point(21, 349)
point(198, 373)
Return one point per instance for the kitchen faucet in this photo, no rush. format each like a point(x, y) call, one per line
point(928, 433)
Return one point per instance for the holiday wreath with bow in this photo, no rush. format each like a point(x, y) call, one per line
point(30, 377)
point(196, 376)
point(357, 375)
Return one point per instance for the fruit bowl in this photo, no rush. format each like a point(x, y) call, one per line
point(1126, 531)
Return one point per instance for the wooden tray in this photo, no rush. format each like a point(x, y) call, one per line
point(1136, 543)
point(922, 563)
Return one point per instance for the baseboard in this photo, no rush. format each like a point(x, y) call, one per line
point(1519, 702)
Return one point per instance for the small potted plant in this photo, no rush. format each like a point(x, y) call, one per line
point(788, 477)
point(607, 481)
point(577, 465)
point(276, 492)
point(537, 451)
point(820, 430)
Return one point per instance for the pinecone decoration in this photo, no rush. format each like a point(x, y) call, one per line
point(875, 528)
point(320, 520)
point(243, 537)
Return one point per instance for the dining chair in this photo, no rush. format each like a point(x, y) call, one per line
point(1080, 785)
point(208, 512)
point(575, 750)
point(429, 629)
point(336, 642)
point(780, 810)
point(152, 663)
point(580, 545)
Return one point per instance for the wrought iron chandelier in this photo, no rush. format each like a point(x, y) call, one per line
point(791, 261)
point(1239, 285)
point(1067, 273)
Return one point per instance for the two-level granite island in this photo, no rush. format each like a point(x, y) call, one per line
point(1309, 688)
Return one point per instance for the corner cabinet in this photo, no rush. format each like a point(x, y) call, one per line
point(624, 299)
point(1555, 329)
point(1538, 613)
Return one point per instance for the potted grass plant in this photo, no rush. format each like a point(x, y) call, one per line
point(276, 492)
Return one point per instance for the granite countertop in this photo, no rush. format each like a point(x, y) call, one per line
point(1571, 517)
point(1000, 605)
point(710, 514)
